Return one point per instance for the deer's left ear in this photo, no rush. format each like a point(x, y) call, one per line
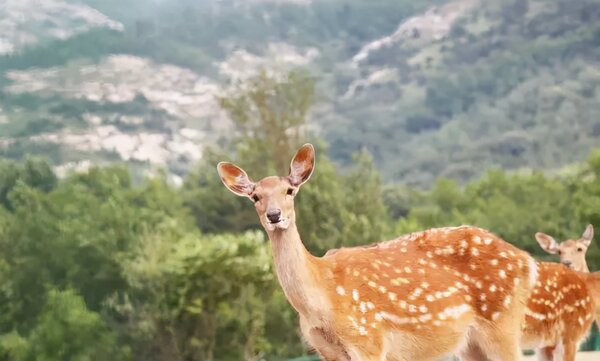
point(235, 179)
point(588, 235)
point(302, 165)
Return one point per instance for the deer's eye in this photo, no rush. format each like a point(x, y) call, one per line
point(255, 198)
point(559, 252)
point(579, 249)
point(290, 191)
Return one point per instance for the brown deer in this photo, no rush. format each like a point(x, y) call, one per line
point(564, 302)
point(419, 297)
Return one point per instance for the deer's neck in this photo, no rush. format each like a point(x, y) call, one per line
point(296, 270)
point(585, 269)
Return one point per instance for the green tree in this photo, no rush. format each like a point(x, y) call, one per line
point(198, 297)
point(67, 330)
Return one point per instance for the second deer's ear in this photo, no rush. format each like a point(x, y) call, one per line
point(235, 179)
point(547, 243)
point(588, 235)
point(302, 165)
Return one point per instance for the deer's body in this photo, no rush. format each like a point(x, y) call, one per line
point(419, 297)
point(559, 312)
point(565, 301)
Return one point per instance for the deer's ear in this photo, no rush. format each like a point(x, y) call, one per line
point(235, 179)
point(302, 165)
point(547, 243)
point(588, 235)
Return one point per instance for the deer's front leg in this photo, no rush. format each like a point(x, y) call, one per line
point(327, 345)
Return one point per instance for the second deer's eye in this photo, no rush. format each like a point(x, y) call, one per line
point(255, 198)
point(290, 191)
point(579, 249)
point(559, 252)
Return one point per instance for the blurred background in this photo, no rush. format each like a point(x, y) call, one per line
point(118, 240)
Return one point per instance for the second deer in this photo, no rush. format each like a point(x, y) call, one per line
point(419, 297)
point(564, 302)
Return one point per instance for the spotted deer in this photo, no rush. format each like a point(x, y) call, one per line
point(564, 302)
point(418, 297)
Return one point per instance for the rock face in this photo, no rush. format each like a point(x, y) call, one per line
point(27, 22)
point(179, 92)
point(434, 24)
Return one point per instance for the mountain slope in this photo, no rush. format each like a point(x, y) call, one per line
point(430, 88)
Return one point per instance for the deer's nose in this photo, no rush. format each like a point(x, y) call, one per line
point(274, 215)
point(567, 263)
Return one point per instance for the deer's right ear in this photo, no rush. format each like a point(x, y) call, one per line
point(547, 243)
point(235, 179)
point(302, 165)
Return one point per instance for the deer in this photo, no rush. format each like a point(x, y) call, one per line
point(565, 301)
point(420, 296)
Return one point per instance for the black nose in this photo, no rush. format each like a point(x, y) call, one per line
point(274, 215)
point(567, 263)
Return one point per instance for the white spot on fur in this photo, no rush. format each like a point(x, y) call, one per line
point(535, 315)
point(425, 318)
point(395, 319)
point(355, 295)
point(454, 312)
point(340, 290)
point(363, 307)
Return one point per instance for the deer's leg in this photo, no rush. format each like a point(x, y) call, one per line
point(570, 349)
point(499, 341)
point(328, 346)
point(325, 343)
point(472, 352)
point(545, 353)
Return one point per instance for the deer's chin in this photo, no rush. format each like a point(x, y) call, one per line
point(283, 224)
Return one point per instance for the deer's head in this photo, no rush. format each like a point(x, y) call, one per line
point(572, 251)
point(273, 196)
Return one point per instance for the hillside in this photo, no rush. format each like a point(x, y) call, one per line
point(430, 88)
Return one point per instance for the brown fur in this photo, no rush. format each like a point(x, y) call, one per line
point(559, 311)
